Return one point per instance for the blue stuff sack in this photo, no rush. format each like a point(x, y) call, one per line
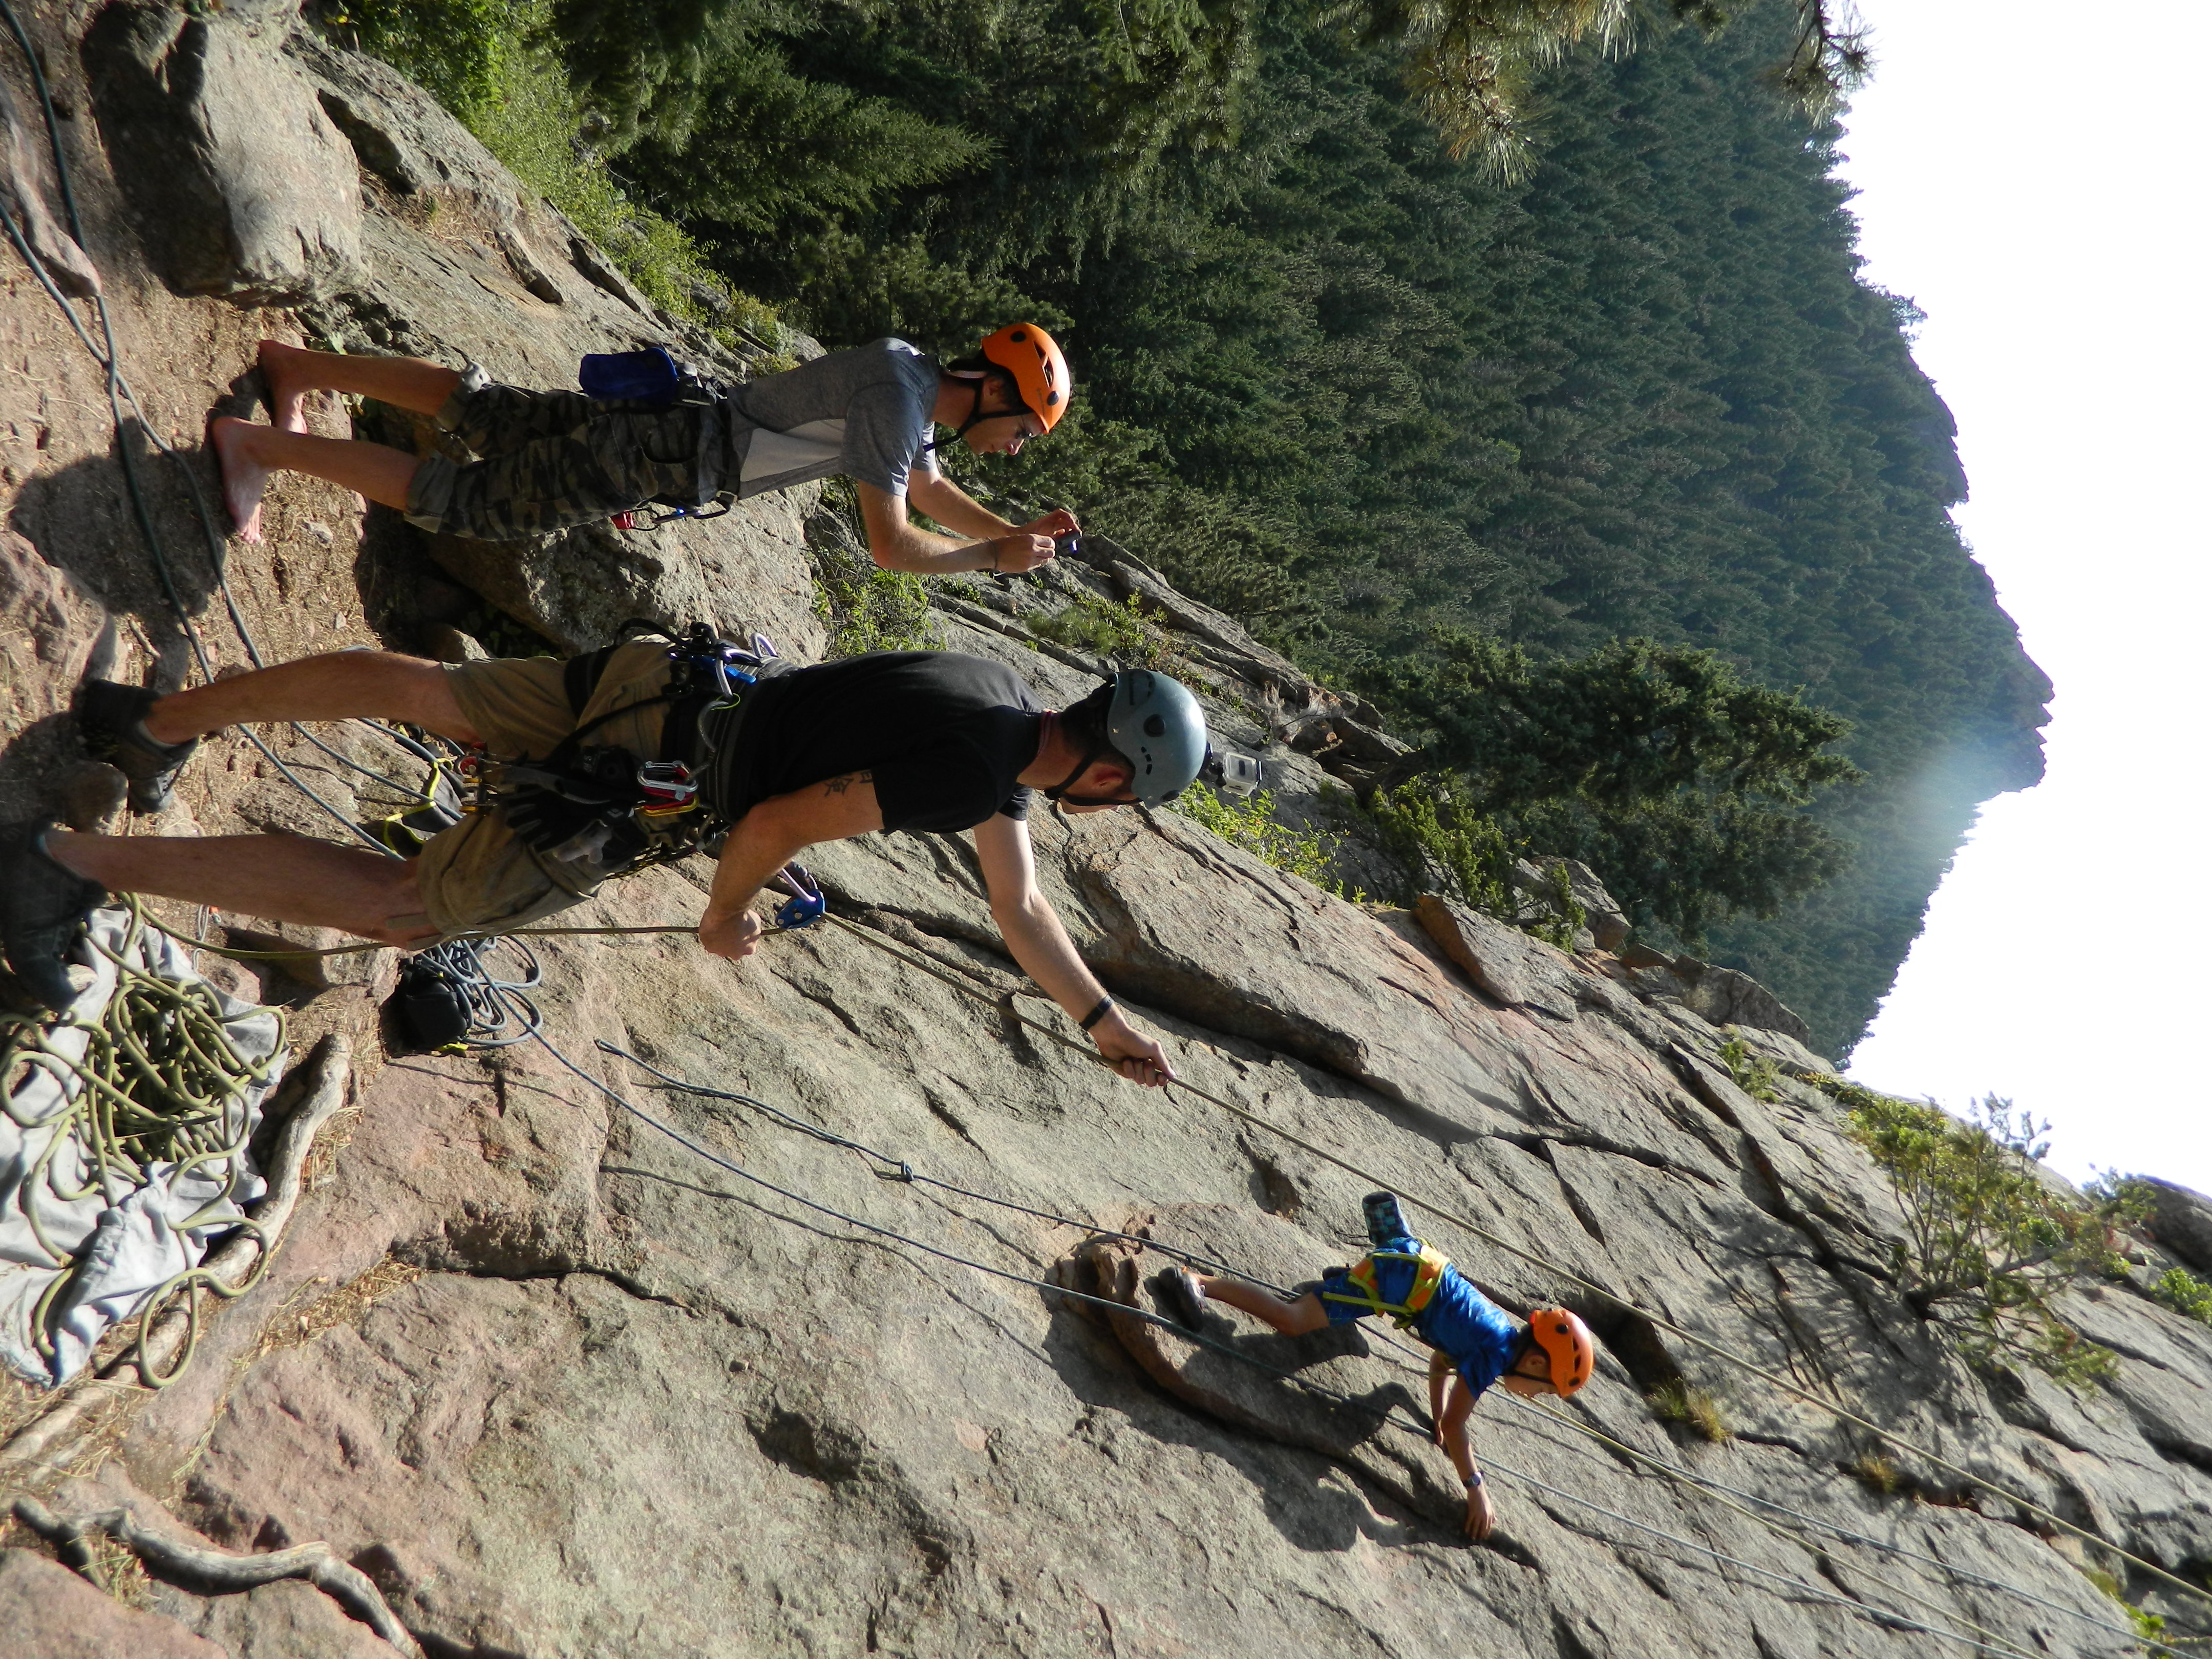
point(648, 377)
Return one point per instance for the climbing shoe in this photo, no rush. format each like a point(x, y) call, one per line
point(1386, 1223)
point(112, 719)
point(42, 907)
point(1179, 1297)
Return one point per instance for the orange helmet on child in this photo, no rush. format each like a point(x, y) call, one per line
point(1033, 358)
point(1566, 1340)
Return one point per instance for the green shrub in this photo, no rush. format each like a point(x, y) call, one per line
point(457, 50)
point(1103, 628)
point(1877, 1471)
point(496, 66)
point(1693, 1408)
point(2185, 1293)
point(871, 608)
point(1429, 831)
point(1755, 1074)
point(1251, 825)
point(1988, 1245)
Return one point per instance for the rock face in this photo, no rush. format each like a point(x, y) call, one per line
point(564, 1386)
point(243, 185)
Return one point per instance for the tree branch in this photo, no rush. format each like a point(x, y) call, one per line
point(218, 1572)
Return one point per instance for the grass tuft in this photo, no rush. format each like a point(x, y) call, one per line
point(1692, 1409)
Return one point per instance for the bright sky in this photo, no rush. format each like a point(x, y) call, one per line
point(2034, 180)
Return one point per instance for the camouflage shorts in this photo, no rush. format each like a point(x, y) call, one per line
point(550, 459)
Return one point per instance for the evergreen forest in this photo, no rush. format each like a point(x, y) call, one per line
point(1466, 422)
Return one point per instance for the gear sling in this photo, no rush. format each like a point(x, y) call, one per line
point(604, 805)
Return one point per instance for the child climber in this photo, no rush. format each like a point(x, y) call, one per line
point(1553, 1353)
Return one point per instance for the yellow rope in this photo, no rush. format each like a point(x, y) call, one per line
point(159, 1082)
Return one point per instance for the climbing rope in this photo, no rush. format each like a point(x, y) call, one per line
point(155, 1080)
point(120, 392)
point(1744, 1363)
point(1388, 1415)
point(106, 353)
point(896, 1168)
point(899, 1169)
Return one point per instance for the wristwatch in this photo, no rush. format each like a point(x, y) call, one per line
point(1473, 1482)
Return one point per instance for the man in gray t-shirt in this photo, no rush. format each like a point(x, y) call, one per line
point(545, 460)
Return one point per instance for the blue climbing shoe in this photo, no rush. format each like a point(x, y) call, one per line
point(1386, 1223)
point(111, 717)
point(42, 908)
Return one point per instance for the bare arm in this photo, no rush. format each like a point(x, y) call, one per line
point(766, 839)
point(1451, 1428)
point(937, 498)
point(1040, 944)
point(897, 542)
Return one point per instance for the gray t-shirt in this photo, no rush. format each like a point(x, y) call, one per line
point(863, 412)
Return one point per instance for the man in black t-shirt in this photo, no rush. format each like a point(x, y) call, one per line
point(893, 740)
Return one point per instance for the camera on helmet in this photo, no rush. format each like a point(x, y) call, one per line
point(1231, 774)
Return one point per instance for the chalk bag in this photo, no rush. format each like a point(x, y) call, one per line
point(649, 377)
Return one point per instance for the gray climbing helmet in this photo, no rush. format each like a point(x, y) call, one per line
point(1158, 727)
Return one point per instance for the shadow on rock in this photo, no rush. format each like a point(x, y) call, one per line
point(1259, 1383)
point(83, 520)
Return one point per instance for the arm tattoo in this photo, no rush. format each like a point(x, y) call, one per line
point(839, 786)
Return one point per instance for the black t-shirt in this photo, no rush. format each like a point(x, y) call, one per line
point(946, 736)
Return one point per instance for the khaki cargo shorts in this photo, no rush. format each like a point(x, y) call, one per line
point(480, 876)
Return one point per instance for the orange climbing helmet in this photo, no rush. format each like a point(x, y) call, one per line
point(1563, 1336)
point(1040, 372)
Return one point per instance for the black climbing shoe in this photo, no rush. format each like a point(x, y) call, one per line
point(112, 719)
point(1179, 1298)
point(42, 906)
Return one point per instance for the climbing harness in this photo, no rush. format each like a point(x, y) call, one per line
point(1429, 1266)
point(120, 393)
point(603, 806)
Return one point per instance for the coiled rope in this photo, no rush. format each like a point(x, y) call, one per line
point(156, 1080)
point(120, 392)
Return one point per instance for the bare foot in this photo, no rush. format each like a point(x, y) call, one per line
point(243, 477)
point(282, 369)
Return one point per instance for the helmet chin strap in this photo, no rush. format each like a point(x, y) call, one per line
point(976, 418)
point(1058, 793)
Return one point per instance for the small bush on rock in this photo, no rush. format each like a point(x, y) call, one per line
point(1105, 629)
point(1989, 1245)
point(1251, 826)
point(1428, 830)
point(2185, 1293)
point(1754, 1074)
point(873, 610)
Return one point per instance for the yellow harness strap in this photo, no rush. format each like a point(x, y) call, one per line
point(1428, 1273)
